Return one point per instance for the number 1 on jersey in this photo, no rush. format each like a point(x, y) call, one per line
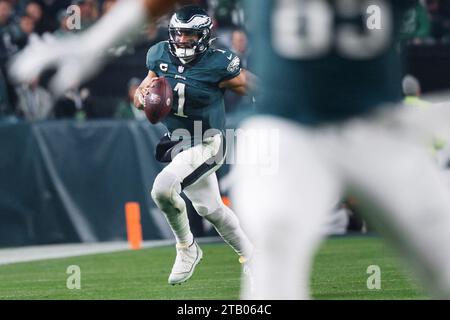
point(180, 88)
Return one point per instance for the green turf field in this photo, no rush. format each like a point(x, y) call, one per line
point(339, 273)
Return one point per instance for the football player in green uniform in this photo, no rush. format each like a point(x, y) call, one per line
point(199, 76)
point(330, 73)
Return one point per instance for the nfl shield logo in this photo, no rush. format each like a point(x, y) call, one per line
point(180, 69)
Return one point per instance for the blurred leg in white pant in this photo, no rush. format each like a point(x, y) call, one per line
point(283, 211)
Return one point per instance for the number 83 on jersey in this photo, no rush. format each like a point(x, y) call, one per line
point(313, 29)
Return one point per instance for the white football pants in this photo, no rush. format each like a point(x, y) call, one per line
point(397, 185)
point(193, 172)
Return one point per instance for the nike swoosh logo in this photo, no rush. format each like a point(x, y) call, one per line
point(231, 56)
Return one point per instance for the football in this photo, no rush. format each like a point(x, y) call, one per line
point(158, 101)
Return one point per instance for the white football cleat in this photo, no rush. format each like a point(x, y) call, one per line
point(187, 258)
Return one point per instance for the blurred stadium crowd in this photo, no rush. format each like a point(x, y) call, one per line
point(428, 24)
point(21, 20)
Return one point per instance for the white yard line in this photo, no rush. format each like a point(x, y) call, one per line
point(43, 252)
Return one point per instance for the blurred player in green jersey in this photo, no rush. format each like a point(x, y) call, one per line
point(331, 85)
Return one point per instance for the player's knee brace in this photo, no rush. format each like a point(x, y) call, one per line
point(165, 188)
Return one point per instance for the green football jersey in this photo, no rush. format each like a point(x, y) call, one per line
point(196, 93)
point(321, 61)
